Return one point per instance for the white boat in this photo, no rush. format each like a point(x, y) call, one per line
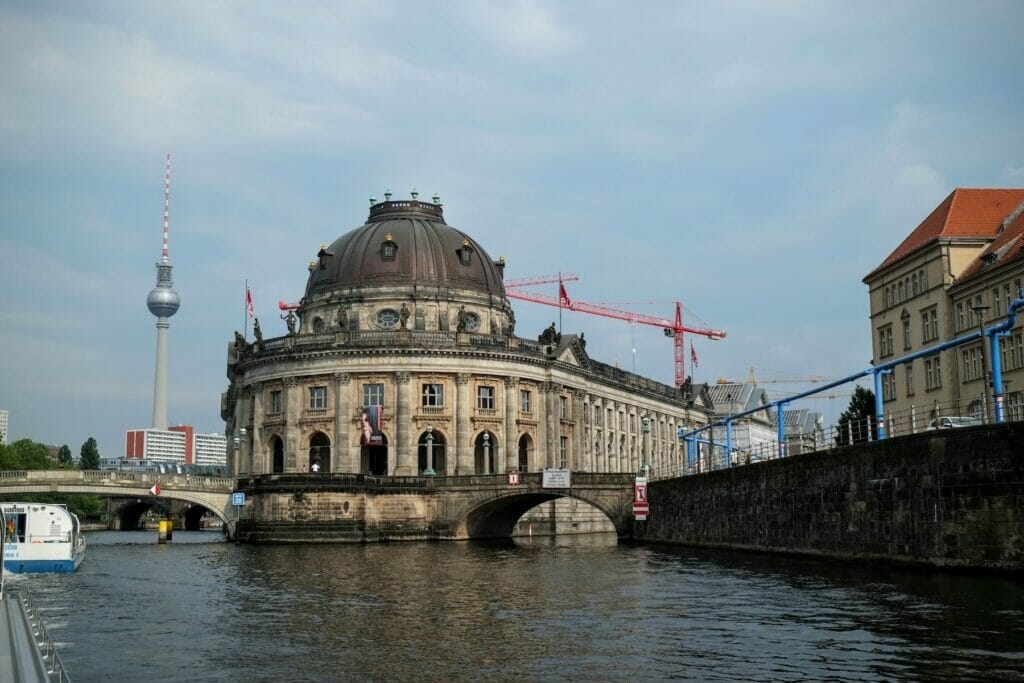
point(40, 537)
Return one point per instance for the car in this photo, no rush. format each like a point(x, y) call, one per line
point(952, 422)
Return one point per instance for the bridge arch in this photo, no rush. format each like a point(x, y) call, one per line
point(497, 515)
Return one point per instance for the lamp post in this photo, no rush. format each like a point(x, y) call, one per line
point(487, 452)
point(429, 471)
point(979, 311)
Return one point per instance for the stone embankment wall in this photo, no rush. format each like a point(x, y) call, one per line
point(943, 499)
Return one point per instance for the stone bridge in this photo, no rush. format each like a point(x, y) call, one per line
point(332, 506)
point(198, 494)
point(357, 507)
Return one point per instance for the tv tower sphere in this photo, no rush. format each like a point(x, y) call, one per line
point(163, 301)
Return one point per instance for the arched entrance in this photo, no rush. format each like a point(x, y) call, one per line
point(373, 457)
point(525, 446)
point(437, 452)
point(277, 448)
point(485, 453)
point(319, 453)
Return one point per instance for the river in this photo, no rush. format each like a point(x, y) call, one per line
point(575, 608)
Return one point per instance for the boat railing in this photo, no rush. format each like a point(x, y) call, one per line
point(47, 651)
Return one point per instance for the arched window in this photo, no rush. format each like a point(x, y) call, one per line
point(901, 292)
point(913, 284)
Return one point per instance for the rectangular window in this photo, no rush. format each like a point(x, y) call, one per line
point(525, 401)
point(373, 394)
point(885, 341)
point(563, 452)
point(1006, 295)
point(959, 315)
point(276, 404)
point(932, 373)
point(930, 324)
point(563, 407)
point(318, 398)
point(485, 398)
point(597, 416)
point(906, 333)
point(888, 387)
point(433, 395)
point(909, 370)
point(997, 302)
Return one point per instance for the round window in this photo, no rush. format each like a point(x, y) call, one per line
point(387, 318)
point(472, 322)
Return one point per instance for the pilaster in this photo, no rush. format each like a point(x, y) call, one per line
point(342, 456)
point(463, 449)
point(404, 466)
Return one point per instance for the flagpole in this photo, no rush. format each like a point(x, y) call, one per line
point(245, 311)
point(691, 360)
point(559, 302)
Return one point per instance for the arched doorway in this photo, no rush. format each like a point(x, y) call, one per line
point(319, 453)
point(437, 450)
point(485, 453)
point(373, 456)
point(277, 448)
point(525, 446)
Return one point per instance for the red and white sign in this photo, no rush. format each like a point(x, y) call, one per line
point(640, 505)
point(513, 477)
point(155, 490)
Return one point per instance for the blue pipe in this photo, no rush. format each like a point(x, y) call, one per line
point(994, 333)
point(780, 415)
point(728, 442)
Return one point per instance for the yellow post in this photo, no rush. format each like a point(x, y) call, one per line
point(164, 534)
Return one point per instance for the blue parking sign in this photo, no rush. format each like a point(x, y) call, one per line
point(238, 498)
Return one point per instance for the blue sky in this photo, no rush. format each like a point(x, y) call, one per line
point(752, 160)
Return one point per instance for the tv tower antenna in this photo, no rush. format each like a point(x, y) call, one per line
point(163, 302)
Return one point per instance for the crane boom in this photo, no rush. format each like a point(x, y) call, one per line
point(674, 329)
point(541, 280)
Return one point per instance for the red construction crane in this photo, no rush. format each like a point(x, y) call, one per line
point(671, 329)
point(541, 280)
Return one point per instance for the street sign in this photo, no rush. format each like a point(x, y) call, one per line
point(238, 498)
point(513, 477)
point(640, 504)
point(155, 490)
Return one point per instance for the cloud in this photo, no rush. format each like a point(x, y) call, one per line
point(523, 28)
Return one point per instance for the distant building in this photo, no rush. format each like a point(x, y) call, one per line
point(804, 431)
point(178, 445)
point(967, 254)
point(3, 427)
point(754, 434)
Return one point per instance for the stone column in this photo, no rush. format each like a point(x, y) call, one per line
point(292, 412)
point(341, 460)
point(236, 446)
point(578, 457)
point(405, 467)
point(257, 455)
point(463, 449)
point(511, 452)
point(553, 421)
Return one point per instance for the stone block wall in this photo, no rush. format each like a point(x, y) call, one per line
point(942, 499)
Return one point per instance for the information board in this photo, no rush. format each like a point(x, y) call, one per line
point(556, 479)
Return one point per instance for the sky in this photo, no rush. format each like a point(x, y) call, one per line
point(752, 160)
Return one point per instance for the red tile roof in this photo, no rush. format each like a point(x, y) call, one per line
point(966, 213)
point(1008, 246)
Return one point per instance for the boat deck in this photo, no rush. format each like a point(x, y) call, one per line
point(27, 654)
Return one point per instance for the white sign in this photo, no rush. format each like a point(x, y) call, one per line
point(155, 490)
point(238, 498)
point(557, 479)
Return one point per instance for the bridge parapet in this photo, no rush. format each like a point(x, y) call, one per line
point(116, 478)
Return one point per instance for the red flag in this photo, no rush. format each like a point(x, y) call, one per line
point(693, 356)
point(563, 296)
point(248, 302)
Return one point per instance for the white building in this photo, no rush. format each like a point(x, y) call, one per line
point(178, 445)
point(3, 427)
point(210, 450)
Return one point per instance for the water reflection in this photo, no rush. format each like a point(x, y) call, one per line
point(575, 608)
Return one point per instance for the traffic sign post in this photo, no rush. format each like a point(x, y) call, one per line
point(641, 507)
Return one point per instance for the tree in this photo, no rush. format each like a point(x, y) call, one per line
point(90, 455)
point(857, 423)
point(25, 454)
point(64, 456)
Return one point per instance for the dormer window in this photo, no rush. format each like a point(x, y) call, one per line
point(323, 257)
point(465, 253)
point(388, 248)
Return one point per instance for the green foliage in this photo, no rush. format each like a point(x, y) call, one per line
point(25, 454)
point(857, 423)
point(88, 508)
point(64, 456)
point(90, 455)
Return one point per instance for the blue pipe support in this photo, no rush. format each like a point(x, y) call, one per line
point(994, 333)
point(780, 415)
point(879, 408)
point(728, 442)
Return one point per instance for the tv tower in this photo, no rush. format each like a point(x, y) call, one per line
point(163, 302)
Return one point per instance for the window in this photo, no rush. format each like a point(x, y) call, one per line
point(972, 363)
point(433, 395)
point(373, 394)
point(923, 278)
point(276, 405)
point(485, 398)
point(465, 253)
point(909, 370)
point(387, 318)
point(597, 416)
point(471, 322)
point(1015, 407)
point(901, 292)
point(913, 283)
point(318, 398)
point(997, 302)
point(1006, 295)
point(563, 407)
point(888, 386)
point(888, 298)
point(906, 333)
point(932, 373)
point(885, 341)
point(1011, 351)
point(930, 324)
point(563, 452)
point(525, 401)
point(959, 315)
point(388, 248)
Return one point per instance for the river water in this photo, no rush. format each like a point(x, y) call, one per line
point(577, 608)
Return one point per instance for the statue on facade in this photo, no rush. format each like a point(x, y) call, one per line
point(583, 341)
point(550, 335)
point(256, 331)
point(404, 315)
point(240, 342)
point(463, 317)
point(511, 322)
point(341, 319)
point(289, 320)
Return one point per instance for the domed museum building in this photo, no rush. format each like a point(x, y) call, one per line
point(402, 358)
